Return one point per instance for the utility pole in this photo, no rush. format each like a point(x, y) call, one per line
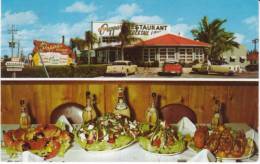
point(18, 48)
point(255, 41)
point(12, 31)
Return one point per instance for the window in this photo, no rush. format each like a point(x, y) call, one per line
point(109, 39)
point(149, 54)
point(146, 53)
point(171, 53)
point(199, 54)
point(232, 59)
point(182, 54)
point(162, 52)
point(242, 59)
point(152, 54)
point(189, 55)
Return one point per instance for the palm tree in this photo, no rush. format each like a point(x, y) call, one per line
point(214, 34)
point(81, 45)
point(125, 36)
point(91, 39)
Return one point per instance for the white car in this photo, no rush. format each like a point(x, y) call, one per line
point(121, 67)
point(225, 69)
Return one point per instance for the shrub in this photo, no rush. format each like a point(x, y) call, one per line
point(59, 71)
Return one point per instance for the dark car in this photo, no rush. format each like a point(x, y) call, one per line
point(171, 68)
point(252, 67)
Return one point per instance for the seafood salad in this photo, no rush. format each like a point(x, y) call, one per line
point(163, 140)
point(44, 140)
point(108, 132)
point(223, 142)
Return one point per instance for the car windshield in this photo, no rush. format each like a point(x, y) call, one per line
point(171, 62)
point(119, 63)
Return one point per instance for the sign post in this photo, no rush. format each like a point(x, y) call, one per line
point(14, 66)
point(45, 70)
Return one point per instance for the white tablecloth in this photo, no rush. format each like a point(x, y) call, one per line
point(133, 153)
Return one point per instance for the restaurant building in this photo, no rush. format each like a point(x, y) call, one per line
point(157, 44)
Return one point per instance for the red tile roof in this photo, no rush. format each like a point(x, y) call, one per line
point(171, 40)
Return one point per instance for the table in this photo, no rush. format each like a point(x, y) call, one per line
point(133, 153)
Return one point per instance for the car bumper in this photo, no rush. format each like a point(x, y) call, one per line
point(168, 73)
point(114, 74)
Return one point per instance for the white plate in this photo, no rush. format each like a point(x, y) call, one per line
point(225, 158)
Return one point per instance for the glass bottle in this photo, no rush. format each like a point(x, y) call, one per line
point(215, 122)
point(121, 106)
point(25, 120)
point(151, 114)
point(89, 112)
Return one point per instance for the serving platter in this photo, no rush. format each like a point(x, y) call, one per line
point(245, 156)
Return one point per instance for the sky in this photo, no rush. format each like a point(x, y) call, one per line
point(48, 20)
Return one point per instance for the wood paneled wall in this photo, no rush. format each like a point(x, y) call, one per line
point(240, 98)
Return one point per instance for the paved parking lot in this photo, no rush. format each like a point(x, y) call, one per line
point(152, 73)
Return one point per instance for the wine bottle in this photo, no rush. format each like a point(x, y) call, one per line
point(216, 116)
point(89, 112)
point(151, 114)
point(121, 106)
point(25, 120)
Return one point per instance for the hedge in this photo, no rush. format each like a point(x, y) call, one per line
point(59, 71)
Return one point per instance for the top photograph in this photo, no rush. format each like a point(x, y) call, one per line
point(129, 39)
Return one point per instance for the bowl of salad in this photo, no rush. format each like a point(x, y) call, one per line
point(164, 140)
point(46, 141)
point(108, 132)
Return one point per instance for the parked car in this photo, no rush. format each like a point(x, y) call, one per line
point(252, 67)
point(121, 67)
point(171, 68)
point(223, 68)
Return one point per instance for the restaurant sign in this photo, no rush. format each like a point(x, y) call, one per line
point(52, 53)
point(140, 30)
point(42, 46)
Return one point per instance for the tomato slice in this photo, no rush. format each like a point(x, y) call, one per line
point(156, 142)
point(111, 139)
point(38, 144)
point(55, 150)
point(8, 138)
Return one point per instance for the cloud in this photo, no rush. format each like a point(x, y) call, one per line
point(48, 32)
point(147, 19)
point(182, 29)
point(124, 11)
point(127, 10)
point(19, 18)
point(239, 38)
point(81, 7)
point(253, 20)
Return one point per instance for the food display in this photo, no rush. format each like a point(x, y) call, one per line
point(46, 141)
point(163, 140)
point(109, 132)
point(223, 142)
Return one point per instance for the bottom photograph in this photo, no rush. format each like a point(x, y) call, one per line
point(129, 121)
